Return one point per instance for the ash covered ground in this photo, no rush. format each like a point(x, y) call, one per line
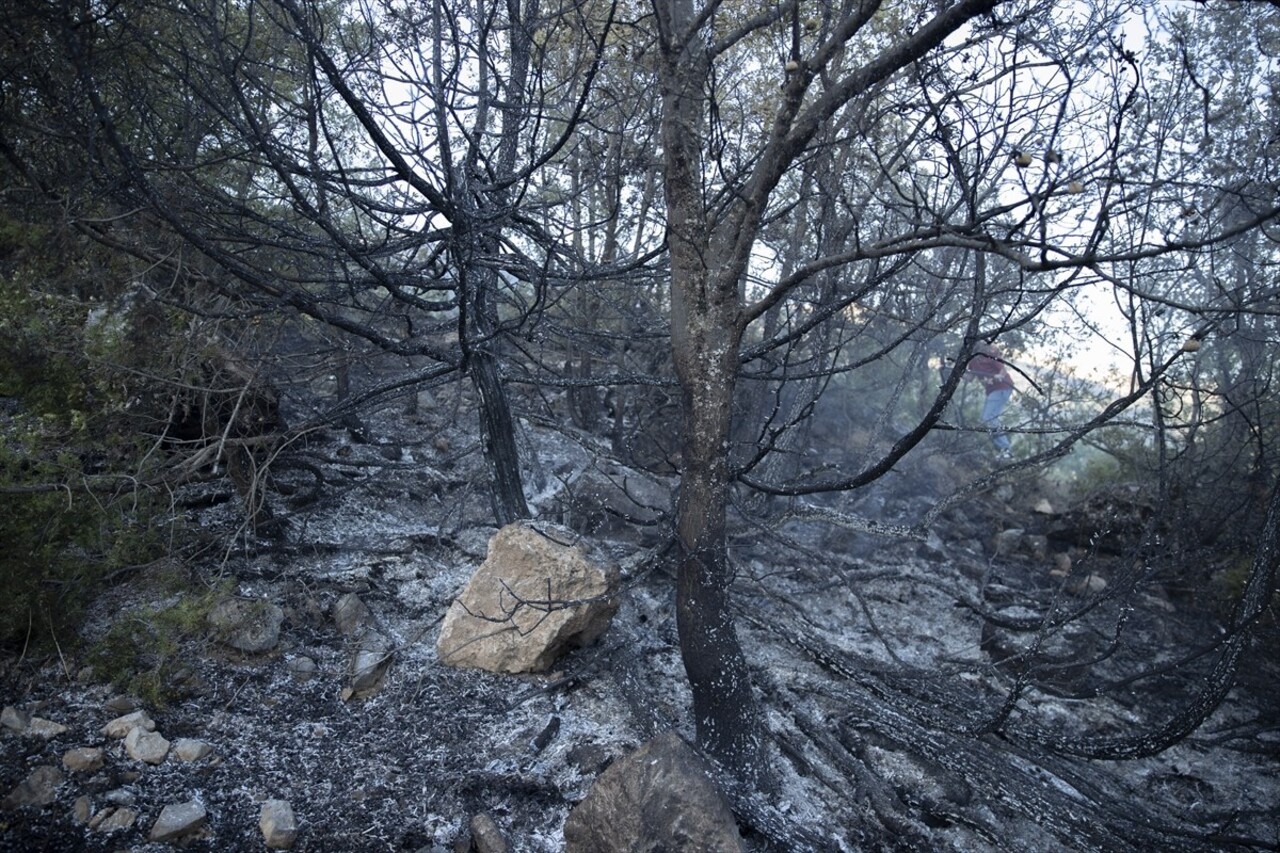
point(877, 658)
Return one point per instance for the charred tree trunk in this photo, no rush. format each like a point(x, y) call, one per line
point(705, 339)
point(497, 426)
point(725, 709)
point(497, 435)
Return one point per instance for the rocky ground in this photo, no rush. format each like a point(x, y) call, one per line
point(878, 659)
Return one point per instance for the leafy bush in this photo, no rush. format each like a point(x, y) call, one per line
point(143, 651)
point(70, 454)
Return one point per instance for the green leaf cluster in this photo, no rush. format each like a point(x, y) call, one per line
point(71, 458)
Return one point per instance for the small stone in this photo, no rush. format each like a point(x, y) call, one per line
point(372, 657)
point(278, 825)
point(14, 720)
point(178, 820)
point(122, 704)
point(190, 749)
point(121, 726)
point(84, 759)
point(486, 837)
point(120, 797)
point(82, 811)
point(351, 614)
point(46, 729)
point(1090, 584)
point(249, 626)
point(1007, 542)
point(118, 820)
point(1043, 507)
point(85, 675)
point(661, 797)
point(38, 789)
point(143, 745)
point(100, 816)
point(529, 562)
point(302, 667)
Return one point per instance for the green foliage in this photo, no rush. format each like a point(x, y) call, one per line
point(143, 652)
point(72, 451)
point(59, 543)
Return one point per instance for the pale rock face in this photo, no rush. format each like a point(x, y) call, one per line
point(178, 820)
point(143, 745)
point(121, 726)
point(512, 615)
point(658, 798)
point(278, 825)
point(85, 759)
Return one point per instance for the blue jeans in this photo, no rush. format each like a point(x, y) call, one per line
point(991, 410)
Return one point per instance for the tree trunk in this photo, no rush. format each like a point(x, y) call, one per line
point(497, 426)
point(497, 435)
point(705, 340)
point(725, 709)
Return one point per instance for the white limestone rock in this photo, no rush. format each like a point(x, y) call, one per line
point(278, 825)
point(143, 745)
point(177, 821)
point(190, 749)
point(537, 594)
point(121, 726)
point(84, 759)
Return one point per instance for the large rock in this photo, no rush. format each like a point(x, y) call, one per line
point(40, 788)
point(279, 826)
point(515, 616)
point(178, 820)
point(613, 499)
point(658, 798)
point(142, 745)
point(249, 626)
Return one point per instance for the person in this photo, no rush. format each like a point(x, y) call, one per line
point(987, 365)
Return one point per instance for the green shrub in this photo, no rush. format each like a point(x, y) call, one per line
point(70, 461)
point(144, 651)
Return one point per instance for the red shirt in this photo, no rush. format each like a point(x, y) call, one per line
point(990, 370)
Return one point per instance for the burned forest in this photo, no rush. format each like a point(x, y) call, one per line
point(639, 424)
